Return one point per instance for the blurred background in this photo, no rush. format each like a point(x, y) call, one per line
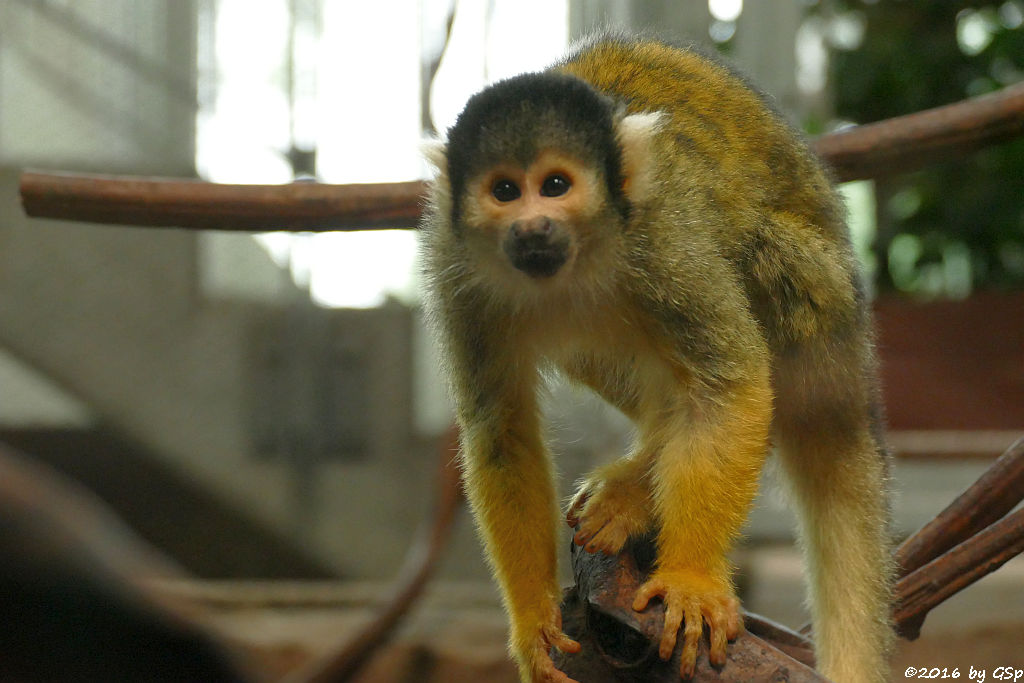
point(267, 406)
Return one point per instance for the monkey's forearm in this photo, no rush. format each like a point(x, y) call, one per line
point(510, 489)
point(510, 485)
point(704, 482)
point(708, 476)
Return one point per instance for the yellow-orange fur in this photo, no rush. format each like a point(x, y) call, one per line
point(720, 313)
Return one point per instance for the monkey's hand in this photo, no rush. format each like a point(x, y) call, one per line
point(531, 645)
point(610, 506)
point(691, 598)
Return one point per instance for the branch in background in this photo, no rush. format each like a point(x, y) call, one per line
point(995, 493)
point(931, 585)
point(874, 150)
point(421, 560)
point(197, 205)
point(75, 593)
point(968, 540)
point(907, 143)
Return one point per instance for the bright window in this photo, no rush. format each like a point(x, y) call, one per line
point(343, 78)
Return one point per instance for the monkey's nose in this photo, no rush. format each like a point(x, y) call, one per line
point(539, 225)
point(538, 247)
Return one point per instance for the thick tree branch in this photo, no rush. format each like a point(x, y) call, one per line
point(620, 644)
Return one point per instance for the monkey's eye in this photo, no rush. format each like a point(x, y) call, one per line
point(555, 185)
point(505, 191)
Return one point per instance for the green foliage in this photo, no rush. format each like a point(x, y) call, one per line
point(958, 226)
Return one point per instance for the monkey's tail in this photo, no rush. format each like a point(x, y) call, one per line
point(839, 476)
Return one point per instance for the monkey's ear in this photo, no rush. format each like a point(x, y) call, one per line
point(636, 140)
point(436, 153)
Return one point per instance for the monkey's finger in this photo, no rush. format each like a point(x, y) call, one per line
point(692, 630)
point(673, 618)
point(565, 644)
point(572, 515)
point(719, 643)
point(735, 625)
point(544, 671)
point(718, 617)
point(553, 636)
point(644, 594)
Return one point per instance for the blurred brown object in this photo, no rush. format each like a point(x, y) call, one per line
point(73, 595)
point(420, 563)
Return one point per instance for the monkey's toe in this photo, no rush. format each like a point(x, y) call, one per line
point(606, 516)
point(608, 539)
point(575, 511)
point(533, 651)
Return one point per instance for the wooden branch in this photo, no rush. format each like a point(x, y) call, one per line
point(932, 584)
point(906, 143)
point(420, 562)
point(193, 204)
point(620, 644)
point(995, 493)
point(76, 596)
point(873, 150)
point(965, 542)
point(959, 541)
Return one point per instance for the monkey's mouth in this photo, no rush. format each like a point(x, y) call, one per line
point(541, 264)
point(537, 255)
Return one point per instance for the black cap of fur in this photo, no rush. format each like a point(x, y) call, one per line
point(515, 119)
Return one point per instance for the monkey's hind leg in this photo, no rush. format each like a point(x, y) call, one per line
point(612, 504)
point(838, 472)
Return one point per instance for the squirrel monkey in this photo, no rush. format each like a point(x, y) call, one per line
point(639, 218)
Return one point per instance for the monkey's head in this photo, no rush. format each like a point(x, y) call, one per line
point(541, 172)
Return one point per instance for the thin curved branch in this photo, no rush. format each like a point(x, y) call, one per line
point(420, 562)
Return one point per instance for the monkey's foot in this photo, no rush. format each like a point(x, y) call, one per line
point(532, 651)
point(692, 598)
point(608, 511)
